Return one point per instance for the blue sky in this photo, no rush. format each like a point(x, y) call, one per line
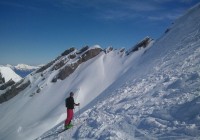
point(37, 31)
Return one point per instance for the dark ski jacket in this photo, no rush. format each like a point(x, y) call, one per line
point(69, 103)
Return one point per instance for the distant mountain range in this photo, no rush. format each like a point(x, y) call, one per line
point(22, 69)
point(6, 74)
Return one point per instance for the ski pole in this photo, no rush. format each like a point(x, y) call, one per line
point(79, 110)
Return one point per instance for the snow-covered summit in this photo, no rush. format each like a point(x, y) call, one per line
point(25, 67)
point(9, 74)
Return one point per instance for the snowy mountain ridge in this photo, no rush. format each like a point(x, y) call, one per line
point(23, 69)
point(157, 98)
point(8, 74)
point(148, 92)
point(75, 69)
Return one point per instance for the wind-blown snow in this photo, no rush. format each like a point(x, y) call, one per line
point(157, 98)
point(8, 74)
point(38, 112)
point(150, 94)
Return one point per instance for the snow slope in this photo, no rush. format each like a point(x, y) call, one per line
point(23, 70)
point(158, 97)
point(149, 94)
point(8, 74)
point(41, 106)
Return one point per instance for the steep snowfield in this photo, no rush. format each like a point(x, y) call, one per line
point(41, 106)
point(8, 74)
point(158, 97)
point(149, 94)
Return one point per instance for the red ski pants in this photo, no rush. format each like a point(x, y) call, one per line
point(70, 115)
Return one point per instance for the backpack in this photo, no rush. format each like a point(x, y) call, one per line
point(67, 102)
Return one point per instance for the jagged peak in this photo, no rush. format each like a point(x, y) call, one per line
point(141, 44)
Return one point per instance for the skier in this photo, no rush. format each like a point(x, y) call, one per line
point(69, 102)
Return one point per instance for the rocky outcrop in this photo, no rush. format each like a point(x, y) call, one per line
point(109, 49)
point(83, 50)
point(2, 79)
point(67, 70)
point(61, 63)
point(14, 90)
point(58, 65)
point(43, 68)
point(72, 56)
point(90, 54)
point(68, 51)
point(142, 44)
point(7, 84)
point(86, 55)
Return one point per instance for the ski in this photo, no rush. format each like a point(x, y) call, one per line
point(56, 133)
point(53, 134)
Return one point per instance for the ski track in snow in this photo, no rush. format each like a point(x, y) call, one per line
point(150, 94)
point(153, 107)
point(164, 104)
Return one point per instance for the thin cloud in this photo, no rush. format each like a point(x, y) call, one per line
point(113, 9)
point(167, 15)
point(125, 9)
point(18, 5)
point(164, 17)
point(117, 15)
point(186, 1)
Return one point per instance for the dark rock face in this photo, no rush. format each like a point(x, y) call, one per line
point(7, 84)
point(72, 56)
point(167, 30)
point(67, 51)
point(69, 69)
point(58, 65)
point(43, 68)
point(2, 80)
point(83, 50)
point(90, 54)
point(143, 44)
point(15, 89)
point(122, 50)
point(109, 49)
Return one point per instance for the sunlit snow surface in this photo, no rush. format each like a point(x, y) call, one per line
point(160, 98)
point(150, 94)
point(9, 74)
